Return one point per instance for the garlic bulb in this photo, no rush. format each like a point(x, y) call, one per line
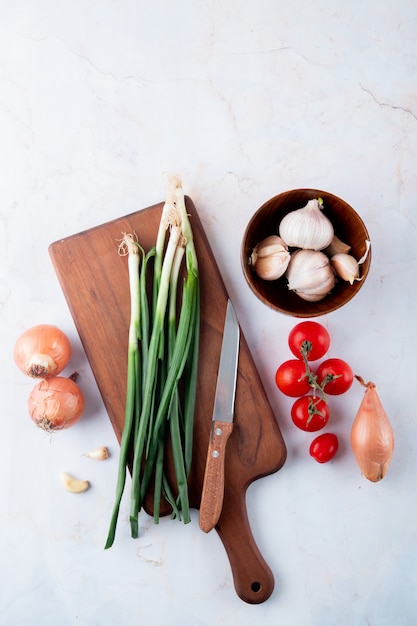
point(310, 275)
point(307, 227)
point(270, 258)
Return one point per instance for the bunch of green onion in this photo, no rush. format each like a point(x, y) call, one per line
point(162, 365)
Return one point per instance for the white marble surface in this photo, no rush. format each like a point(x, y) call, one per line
point(98, 101)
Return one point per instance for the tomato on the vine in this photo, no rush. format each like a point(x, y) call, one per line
point(291, 378)
point(324, 447)
point(335, 376)
point(310, 413)
point(311, 338)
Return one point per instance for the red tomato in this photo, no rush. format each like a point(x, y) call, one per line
point(336, 376)
point(291, 378)
point(311, 337)
point(324, 447)
point(310, 413)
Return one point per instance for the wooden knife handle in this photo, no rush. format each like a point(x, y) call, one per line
point(213, 485)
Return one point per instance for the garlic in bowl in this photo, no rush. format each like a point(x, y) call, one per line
point(314, 227)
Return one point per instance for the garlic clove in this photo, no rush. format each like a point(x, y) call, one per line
point(346, 267)
point(98, 454)
point(307, 228)
point(73, 485)
point(270, 258)
point(337, 246)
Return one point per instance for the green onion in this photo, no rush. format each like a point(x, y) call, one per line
point(128, 247)
point(162, 365)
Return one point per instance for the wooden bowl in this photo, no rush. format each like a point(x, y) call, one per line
point(348, 226)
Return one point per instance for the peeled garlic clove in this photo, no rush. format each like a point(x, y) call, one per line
point(307, 227)
point(73, 485)
point(346, 267)
point(270, 258)
point(98, 454)
point(337, 246)
point(310, 275)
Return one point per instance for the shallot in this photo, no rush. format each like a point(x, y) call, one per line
point(372, 437)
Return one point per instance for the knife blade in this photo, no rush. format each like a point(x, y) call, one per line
point(222, 424)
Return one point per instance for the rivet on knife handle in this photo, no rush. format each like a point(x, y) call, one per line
point(213, 485)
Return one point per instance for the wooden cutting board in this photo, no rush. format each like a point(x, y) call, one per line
point(94, 279)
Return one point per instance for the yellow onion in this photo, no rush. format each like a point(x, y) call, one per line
point(42, 351)
point(56, 403)
point(372, 437)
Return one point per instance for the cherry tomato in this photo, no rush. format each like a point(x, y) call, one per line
point(291, 378)
point(310, 413)
point(310, 337)
point(324, 447)
point(336, 376)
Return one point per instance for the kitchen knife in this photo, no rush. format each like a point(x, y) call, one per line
point(222, 424)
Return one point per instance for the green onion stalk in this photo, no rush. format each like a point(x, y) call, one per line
point(128, 246)
point(162, 366)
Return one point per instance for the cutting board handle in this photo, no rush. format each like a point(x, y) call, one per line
point(252, 577)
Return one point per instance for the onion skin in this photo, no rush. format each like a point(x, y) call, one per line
point(56, 403)
point(372, 437)
point(42, 351)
